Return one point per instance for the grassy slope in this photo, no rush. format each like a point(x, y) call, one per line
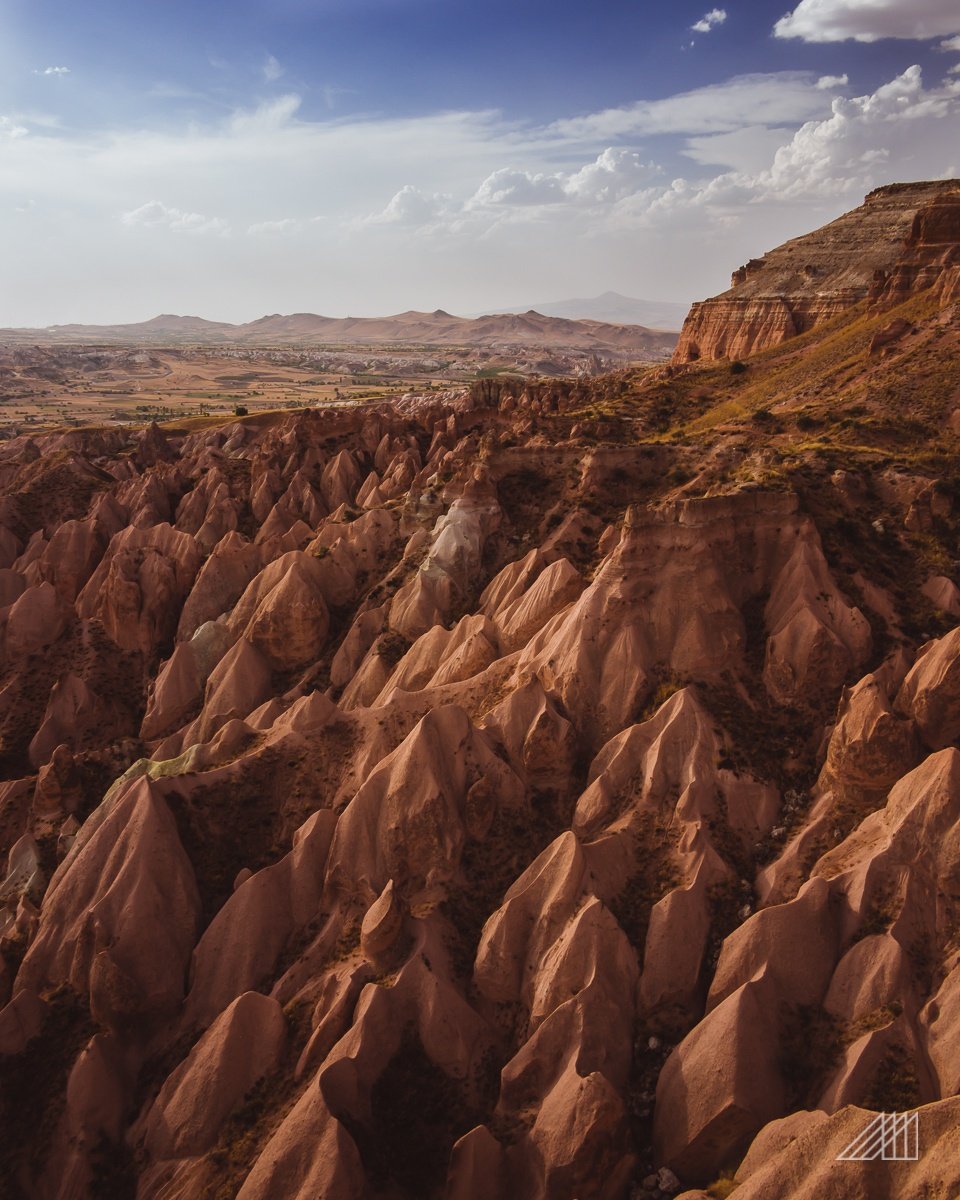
point(796, 414)
point(823, 390)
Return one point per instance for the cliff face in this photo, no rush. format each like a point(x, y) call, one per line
point(931, 256)
point(902, 239)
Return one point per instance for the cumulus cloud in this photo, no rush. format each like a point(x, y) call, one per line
point(900, 131)
point(827, 83)
point(411, 207)
point(516, 194)
point(869, 20)
point(53, 71)
point(155, 214)
point(950, 44)
point(709, 20)
point(612, 175)
point(512, 187)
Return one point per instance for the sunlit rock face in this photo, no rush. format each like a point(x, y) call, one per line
point(903, 239)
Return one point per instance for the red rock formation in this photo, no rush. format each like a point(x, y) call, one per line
point(797, 1157)
point(243, 1045)
point(469, 797)
point(126, 869)
point(902, 239)
point(721, 1084)
point(140, 584)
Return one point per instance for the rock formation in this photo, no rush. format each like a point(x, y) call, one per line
point(902, 240)
point(545, 790)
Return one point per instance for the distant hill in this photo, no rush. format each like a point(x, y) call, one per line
point(438, 328)
point(614, 309)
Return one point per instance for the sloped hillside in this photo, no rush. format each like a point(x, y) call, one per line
point(543, 791)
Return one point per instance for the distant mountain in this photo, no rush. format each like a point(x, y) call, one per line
point(614, 309)
point(167, 325)
point(527, 329)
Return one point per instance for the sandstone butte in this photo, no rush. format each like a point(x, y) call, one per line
point(903, 238)
point(543, 791)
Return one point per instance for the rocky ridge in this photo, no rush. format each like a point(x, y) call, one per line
point(903, 239)
point(541, 790)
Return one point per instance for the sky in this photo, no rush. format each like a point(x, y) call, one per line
point(364, 157)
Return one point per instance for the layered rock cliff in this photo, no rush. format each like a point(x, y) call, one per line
point(903, 238)
point(539, 792)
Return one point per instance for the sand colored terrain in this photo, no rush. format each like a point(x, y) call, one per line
point(547, 789)
point(93, 375)
point(43, 388)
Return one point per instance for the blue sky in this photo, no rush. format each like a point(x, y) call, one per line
point(367, 156)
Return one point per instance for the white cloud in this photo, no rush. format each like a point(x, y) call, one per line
point(272, 69)
point(412, 208)
point(613, 175)
point(869, 20)
point(53, 71)
point(779, 98)
point(512, 187)
point(749, 149)
point(827, 83)
point(266, 117)
point(11, 128)
point(709, 20)
point(158, 215)
point(463, 203)
point(950, 44)
point(900, 131)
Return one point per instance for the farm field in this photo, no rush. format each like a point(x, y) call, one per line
point(50, 387)
point(44, 387)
